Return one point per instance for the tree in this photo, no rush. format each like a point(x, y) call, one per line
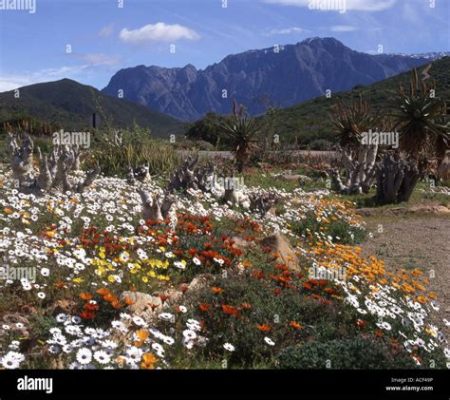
point(350, 121)
point(421, 137)
point(242, 130)
point(206, 129)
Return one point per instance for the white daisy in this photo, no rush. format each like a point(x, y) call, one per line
point(134, 353)
point(447, 352)
point(158, 349)
point(269, 341)
point(139, 321)
point(84, 356)
point(189, 334)
point(168, 340)
point(102, 357)
point(12, 360)
point(228, 347)
point(166, 316)
point(61, 318)
point(182, 309)
point(109, 344)
point(196, 261)
point(54, 349)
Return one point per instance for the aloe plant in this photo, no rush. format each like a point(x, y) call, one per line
point(242, 130)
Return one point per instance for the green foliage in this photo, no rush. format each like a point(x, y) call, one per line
point(69, 105)
point(242, 130)
point(351, 120)
point(258, 303)
point(416, 115)
point(135, 150)
point(206, 129)
point(354, 353)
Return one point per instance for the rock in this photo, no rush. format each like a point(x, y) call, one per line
point(144, 305)
point(430, 209)
point(301, 179)
point(200, 281)
point(283, 251)
point(173, 295)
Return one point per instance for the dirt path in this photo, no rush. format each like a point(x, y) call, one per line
point(415, 240)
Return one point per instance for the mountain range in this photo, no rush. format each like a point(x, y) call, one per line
point(259, 79)
point(290, 80)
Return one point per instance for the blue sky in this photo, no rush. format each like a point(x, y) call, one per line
point(89, 40)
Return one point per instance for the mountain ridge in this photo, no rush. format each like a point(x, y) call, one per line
point(280, 76)
point(70, 105)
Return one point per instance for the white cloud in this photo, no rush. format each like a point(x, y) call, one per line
point(14, 81)
point(286, 31)
point(106, 31)
point(11, 82)
point(333, 5)
point(343, 28)
point(159, 32)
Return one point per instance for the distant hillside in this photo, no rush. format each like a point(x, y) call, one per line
point(70, 105)
point(279, 77)
point(310, 120)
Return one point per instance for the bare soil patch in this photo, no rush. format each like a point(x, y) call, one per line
point(415, 240)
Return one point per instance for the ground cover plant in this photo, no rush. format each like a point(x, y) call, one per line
point(90, 283)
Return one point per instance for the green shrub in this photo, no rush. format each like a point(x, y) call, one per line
point(136, 149)
point(353, 353)
point(268, 304)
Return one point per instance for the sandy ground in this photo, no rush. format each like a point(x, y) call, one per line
point(415, 240)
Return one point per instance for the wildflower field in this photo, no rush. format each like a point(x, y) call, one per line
point(203, 289)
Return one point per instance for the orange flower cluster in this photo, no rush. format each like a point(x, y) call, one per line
point(189, 223)
point(230, 310)
point(295, 325)
point(91, 306)
point(263, 327)
point(372, 269)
